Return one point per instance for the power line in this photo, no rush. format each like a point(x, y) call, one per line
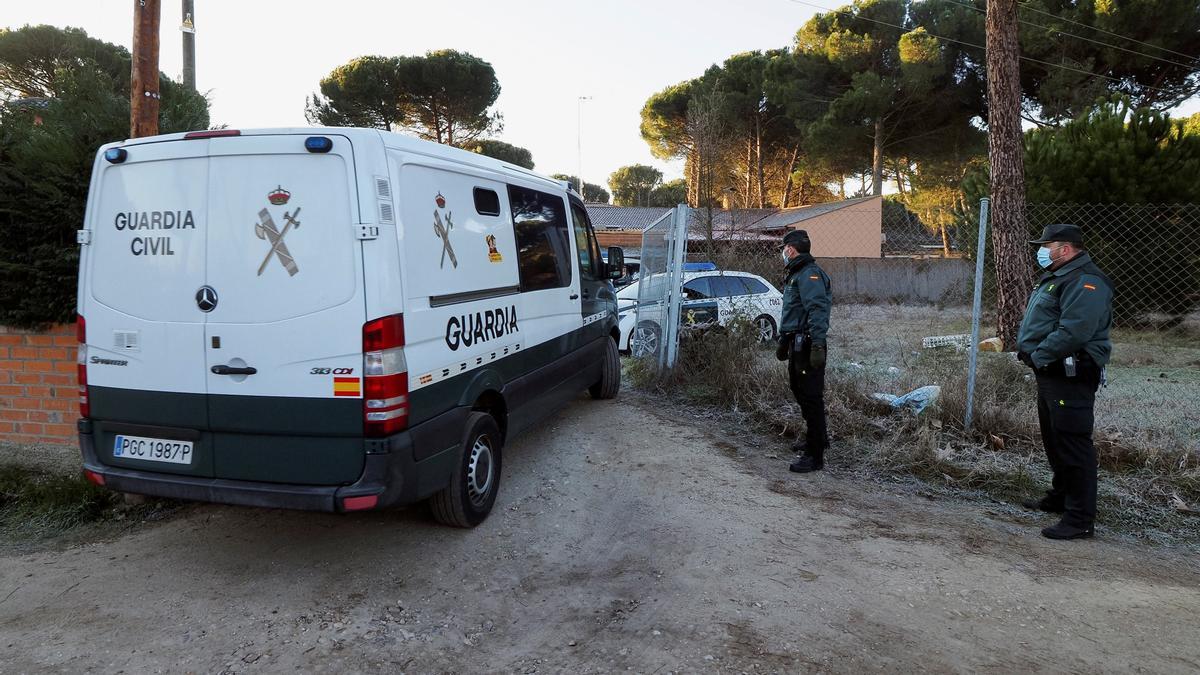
point(1107, 32)
point(1192, 67)
point(975, 46)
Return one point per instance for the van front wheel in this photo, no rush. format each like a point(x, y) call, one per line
point(472, 491)
point(610, 376)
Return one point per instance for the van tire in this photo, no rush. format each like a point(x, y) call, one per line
point(610, 376)
point(459, 505)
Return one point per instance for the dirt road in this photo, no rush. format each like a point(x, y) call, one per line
point(622, 540)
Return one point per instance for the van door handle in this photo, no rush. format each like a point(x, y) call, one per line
point(230, 370)
point(574, 296)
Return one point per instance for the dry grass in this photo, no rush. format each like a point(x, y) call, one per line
point(1141, 486)
point(40, 506)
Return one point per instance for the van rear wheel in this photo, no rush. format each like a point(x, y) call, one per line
point(469, 498)
point(610, 376)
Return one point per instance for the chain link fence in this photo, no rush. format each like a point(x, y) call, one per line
point(903, 282)
point(1151, 253)
point(654, 329)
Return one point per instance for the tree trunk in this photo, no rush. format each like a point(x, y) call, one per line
point(945, 241)
point(877, 160)
point(787, 184)
point(749, 194)
point(842, 188)
point(758, 158)
point(1005, 154)
point(899, 178)
point(693, 180)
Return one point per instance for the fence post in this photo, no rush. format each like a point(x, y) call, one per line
point(976, 312)
point(678, 252)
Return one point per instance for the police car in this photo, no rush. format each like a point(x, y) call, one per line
point(710, 296)
point(330, 319)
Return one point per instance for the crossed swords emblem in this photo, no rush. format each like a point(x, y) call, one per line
point(443, 231)
point(266, 229)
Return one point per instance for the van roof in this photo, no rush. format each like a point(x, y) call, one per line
point(390, 140)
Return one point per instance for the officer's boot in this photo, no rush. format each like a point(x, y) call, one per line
point(1078, 522)
point(813, 458)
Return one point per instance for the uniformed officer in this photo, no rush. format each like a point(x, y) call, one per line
point(1064, 339)
point(802, 332)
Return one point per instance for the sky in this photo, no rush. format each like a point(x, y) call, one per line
point(257, 60)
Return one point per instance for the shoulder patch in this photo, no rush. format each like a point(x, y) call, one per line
point(1091, 282)
point(814, 277)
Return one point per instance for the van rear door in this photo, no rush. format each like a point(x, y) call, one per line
point(283, 346)
point(141, 271)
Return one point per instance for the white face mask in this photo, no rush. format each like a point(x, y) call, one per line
point(783, 254)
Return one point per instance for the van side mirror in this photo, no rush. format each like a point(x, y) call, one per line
point(616, 262)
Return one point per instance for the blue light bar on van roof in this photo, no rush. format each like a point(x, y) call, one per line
point(699, 267)
point(116, 155)
point(318, 144)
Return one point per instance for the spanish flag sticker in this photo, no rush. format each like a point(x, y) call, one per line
point(814, 277)
point(1090, 287)
point(346, 386)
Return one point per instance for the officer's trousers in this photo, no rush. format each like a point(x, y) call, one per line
point(808, 386)
point(1066, 415)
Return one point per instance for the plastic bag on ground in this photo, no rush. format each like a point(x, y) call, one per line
point(918, 399)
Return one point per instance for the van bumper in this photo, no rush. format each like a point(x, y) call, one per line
point(389, 472)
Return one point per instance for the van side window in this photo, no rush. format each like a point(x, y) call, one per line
point(543, 241)
point(487, 202)
point(585, 245)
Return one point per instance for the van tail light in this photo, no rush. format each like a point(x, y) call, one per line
point(85, 408)
point(93, 477)
point(385, 377)
point(360, 503)
point(211, 133)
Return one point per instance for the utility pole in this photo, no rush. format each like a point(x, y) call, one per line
point(1006, 157)
point(579, 140)
point(189, 45)
point(143, 88)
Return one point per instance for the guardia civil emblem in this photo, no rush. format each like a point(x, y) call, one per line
point(442, 230)
point(268, 231)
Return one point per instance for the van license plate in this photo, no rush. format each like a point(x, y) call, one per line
point(153, 449)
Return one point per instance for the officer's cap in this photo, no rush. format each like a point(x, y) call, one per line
point(799, 239)
point(1059, 232)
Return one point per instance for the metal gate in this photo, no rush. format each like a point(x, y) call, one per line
point(656, 328)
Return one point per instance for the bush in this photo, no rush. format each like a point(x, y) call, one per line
point(45, 168)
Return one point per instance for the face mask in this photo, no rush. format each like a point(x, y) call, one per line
point(1043, 258)
point(783, 254)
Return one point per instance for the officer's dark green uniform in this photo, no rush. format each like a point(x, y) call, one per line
point(802, 331)
point(1068, 317)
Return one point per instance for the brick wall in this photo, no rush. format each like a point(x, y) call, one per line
point(39, 398)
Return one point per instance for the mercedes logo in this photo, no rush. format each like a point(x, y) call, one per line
point(206, 299)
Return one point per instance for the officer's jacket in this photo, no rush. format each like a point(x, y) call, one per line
point(806, 299)
point(1070, 311)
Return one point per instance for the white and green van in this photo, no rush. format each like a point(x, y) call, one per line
point(330, 319)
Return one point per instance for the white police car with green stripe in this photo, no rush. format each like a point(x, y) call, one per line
point(331, 319)
point(710, 296)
